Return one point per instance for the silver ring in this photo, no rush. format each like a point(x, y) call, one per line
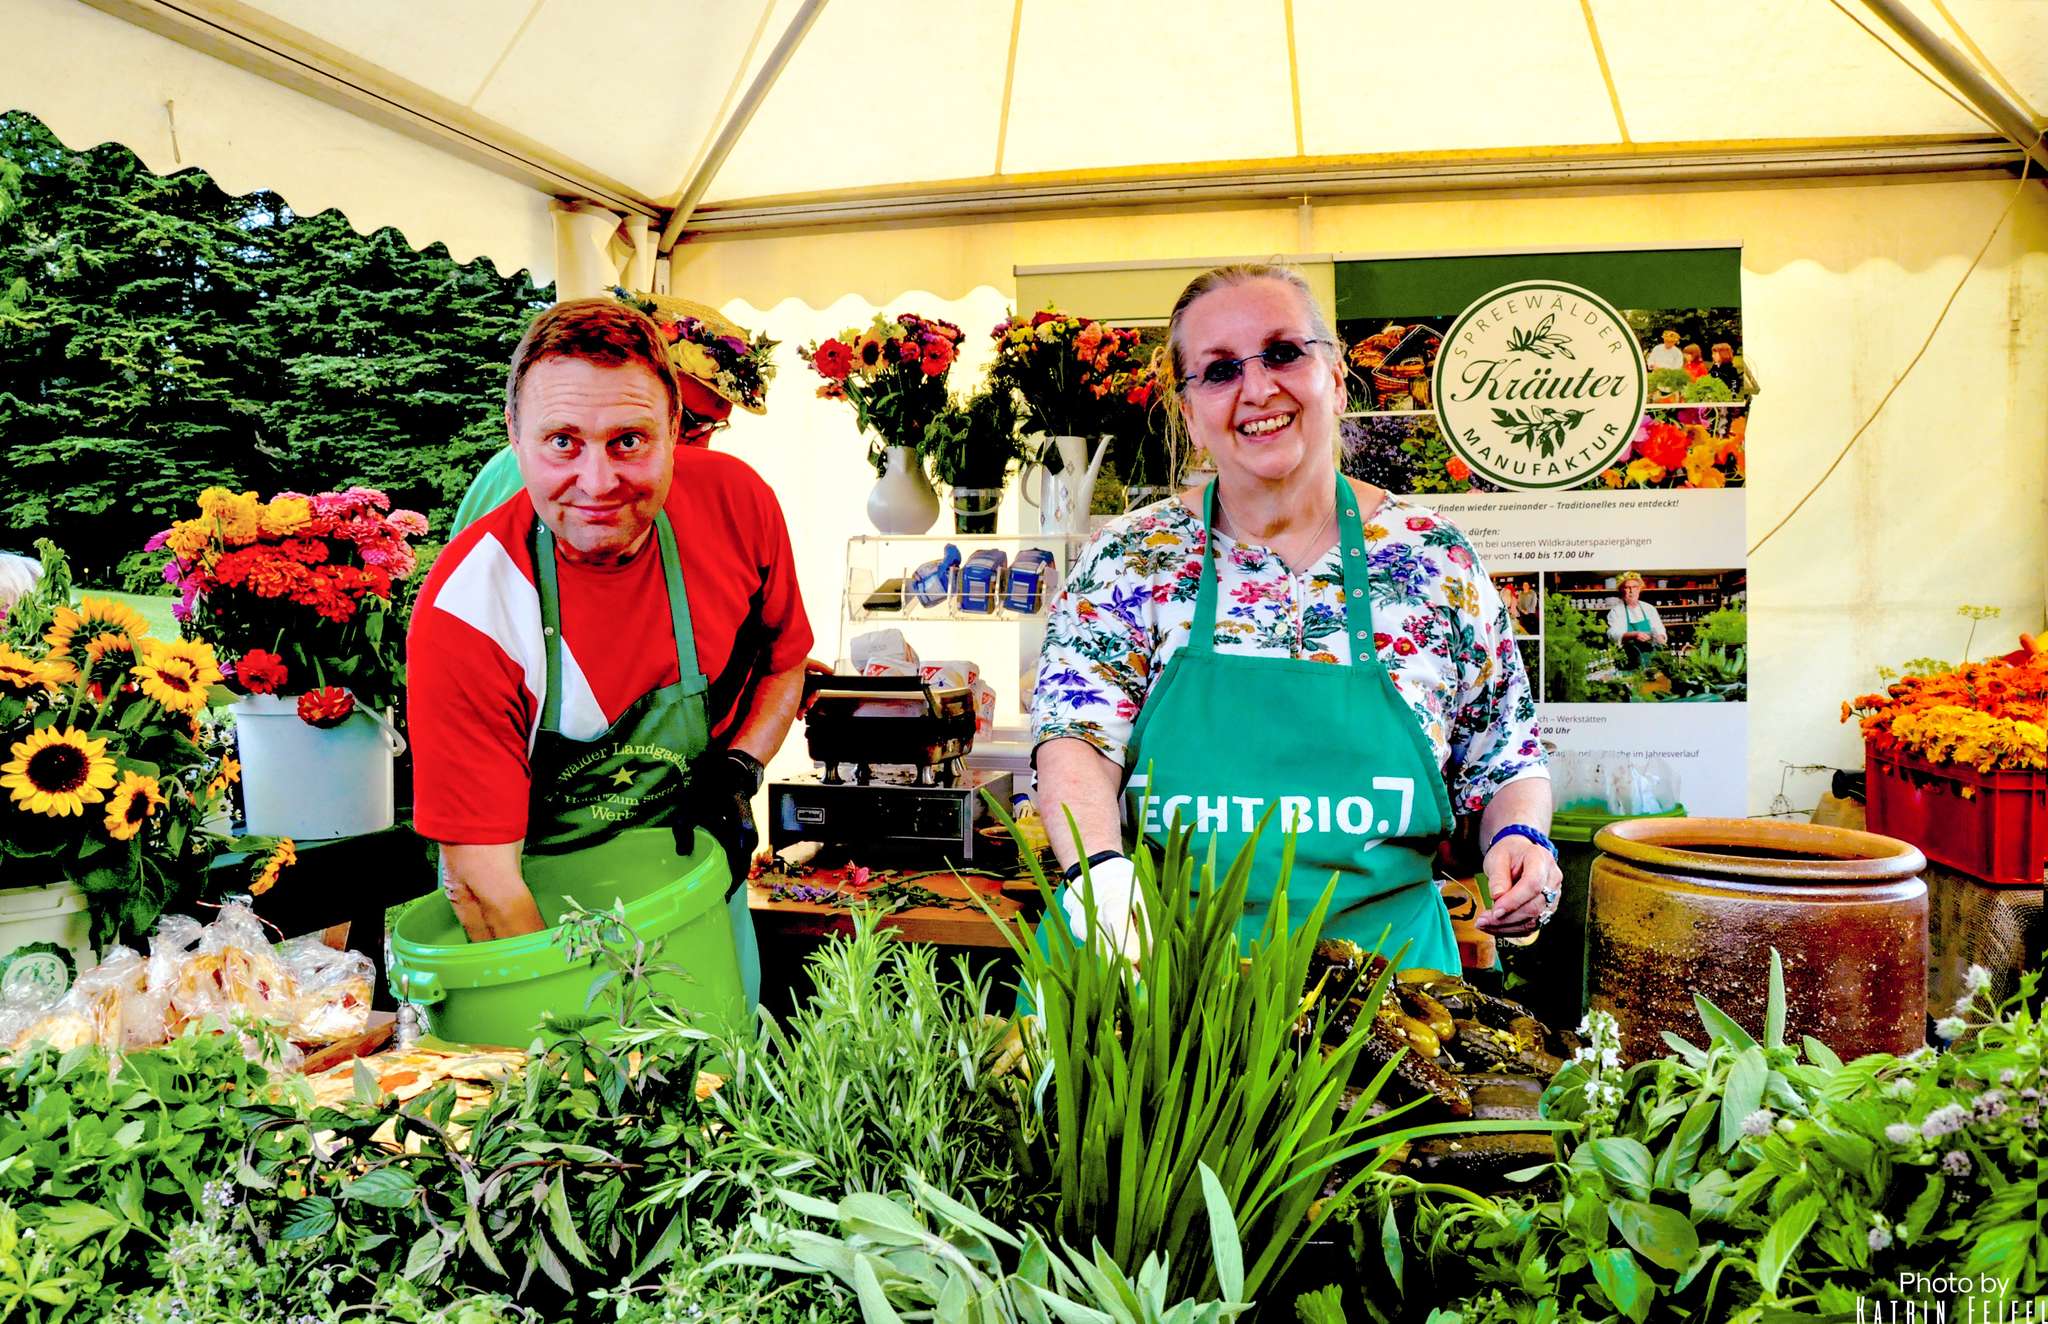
point(1544, 918)
point(1550, 896)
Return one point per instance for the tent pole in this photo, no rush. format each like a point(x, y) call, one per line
point(1995, 106)
point(742, 114)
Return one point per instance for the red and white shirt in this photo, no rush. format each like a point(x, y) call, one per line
point(476, 667)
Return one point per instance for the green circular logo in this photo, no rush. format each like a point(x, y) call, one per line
point(1539, 385)
point(41, 967)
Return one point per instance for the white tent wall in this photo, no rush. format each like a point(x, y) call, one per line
point(1943, 502)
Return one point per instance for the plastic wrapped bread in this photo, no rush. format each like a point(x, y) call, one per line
point(334, 991)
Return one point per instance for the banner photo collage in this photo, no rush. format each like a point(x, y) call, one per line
point(1583, 417)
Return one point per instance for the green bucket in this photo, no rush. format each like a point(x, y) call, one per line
point(1551, 971)
point(496, 992)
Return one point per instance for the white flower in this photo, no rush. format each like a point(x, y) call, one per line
point(1593, 1092)
point(1880, 1237)
point(1609, 1095)
point(1951, 1027)
point(1903, 1087)
point(1901, 1133)
point(1956, 1163)
point(1976, 979)
point(1610, 1058)
point(1758, 1123)
point(1787, 1125)
point(1963, 1005)
point(2008, 1076)
point(1943, 1121)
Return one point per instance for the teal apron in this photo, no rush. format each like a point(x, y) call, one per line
point(636, 774)
point(1634, 650)
point(1334, 750)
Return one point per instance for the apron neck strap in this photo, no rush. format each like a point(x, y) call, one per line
point(1350, 551)
point(547, 580)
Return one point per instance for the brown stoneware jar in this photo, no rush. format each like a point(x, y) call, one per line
point(1685, 905)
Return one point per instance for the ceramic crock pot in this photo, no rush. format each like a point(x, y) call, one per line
point(1684, 905)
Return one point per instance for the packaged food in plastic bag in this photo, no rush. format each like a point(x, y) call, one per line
point(94, 1010)
point(234, 971)
point(334, 990)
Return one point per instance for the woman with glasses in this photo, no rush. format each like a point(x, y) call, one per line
point(718, 366)
point(1289, 647)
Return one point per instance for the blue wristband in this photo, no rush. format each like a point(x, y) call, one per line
point(1524, 830)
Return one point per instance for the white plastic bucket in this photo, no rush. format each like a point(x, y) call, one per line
point(302, 782)
point(45, 940)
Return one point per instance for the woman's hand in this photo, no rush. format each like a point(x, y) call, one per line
point(1525, 883)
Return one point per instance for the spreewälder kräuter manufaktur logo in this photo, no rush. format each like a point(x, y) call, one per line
point(1539, 384)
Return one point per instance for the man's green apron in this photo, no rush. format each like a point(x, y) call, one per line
point(636, 774)
point(1225, 737)
point(1635, 649)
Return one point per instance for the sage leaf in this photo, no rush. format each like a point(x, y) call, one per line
point(1223, 1240)
point(1820, 1054)
point(1663, 1236)
point(1774, 1004)
point(1721, 1025)
point(1781, 1242)
point(1744, 1095)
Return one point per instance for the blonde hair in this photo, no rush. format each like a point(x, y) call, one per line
point(19, 576)
point(1169, 361)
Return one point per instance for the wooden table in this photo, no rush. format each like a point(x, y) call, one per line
point(962, 923)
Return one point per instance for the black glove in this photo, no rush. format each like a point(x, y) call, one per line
point(730, 783)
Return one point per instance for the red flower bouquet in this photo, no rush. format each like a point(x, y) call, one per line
point(1074, 374)
point(893, 373)
point(300, 593)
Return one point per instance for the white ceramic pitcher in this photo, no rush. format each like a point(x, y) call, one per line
point(1063, 498)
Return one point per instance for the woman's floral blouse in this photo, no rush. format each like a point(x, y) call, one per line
point(1438, 624)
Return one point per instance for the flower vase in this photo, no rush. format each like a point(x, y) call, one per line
point(309, 783)
point(903, 500)
point(975, 508)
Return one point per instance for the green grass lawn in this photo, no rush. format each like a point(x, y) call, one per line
point(155, 610)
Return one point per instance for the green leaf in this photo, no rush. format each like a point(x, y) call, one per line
point(1744, 1095)
point(563, 1225)
point(1721, 1025)
point(311, 1217)
point(479, 1244)
point(1781, 1242)
point(1774, 1004)
point(1712, 1195)
point(1626, 1286)
point(1694, 1057)
point(1923, 1207)
point(1626, 1162)
point(1390, 1246)
point(75, 1221)
point(1223, 1241)
point(874, 1304)
point(1678, 1158)
point(386, 1188)
point(1663, 1236)
point(1820, 1054)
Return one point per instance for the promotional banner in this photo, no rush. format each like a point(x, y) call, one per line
point(1582, 416)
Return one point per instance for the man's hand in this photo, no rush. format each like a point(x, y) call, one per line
point(730, 781)
point(490, 897)
point(1525, 883)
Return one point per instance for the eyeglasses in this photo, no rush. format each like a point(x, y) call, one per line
point(695, 431)
point(1278, 357)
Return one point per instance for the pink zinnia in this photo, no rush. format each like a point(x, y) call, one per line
point(407, 523)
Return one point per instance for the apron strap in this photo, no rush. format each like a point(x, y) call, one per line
point(547, 580)
point(1355, 563)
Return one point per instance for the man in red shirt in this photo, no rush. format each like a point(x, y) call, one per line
point(619, 647)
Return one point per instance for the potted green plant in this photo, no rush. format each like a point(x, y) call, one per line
point(971, 445)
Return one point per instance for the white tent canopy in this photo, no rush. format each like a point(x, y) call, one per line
point(466, 121)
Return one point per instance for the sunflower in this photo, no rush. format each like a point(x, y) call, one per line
point(197, 652)
point(20, 672)
point(57, 771)
point(871, 355)
point(132, 803)
point(74, 631)
point(175, 682)
point(280, 859)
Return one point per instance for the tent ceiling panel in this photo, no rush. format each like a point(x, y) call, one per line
point(1202, 80)
point(1374, 84)
point(2013, 38)
point(175, 107)
point(448, 47)
point(862, 104)
point(633, 103)
point(1786, 69)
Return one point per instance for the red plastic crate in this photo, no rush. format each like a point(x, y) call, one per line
point(1998, 832)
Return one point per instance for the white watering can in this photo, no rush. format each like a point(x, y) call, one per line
point(1064, 497)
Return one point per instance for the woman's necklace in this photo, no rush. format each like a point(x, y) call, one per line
point(1313, 545)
